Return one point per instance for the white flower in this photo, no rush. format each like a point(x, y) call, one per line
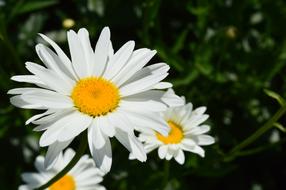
point(83, 176)
point(186, 133)
point(109, 93)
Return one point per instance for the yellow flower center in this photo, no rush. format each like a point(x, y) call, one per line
point(175, 135)
point(95, 96)
point(65, 183)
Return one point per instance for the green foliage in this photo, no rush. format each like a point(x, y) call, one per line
point(275, 96)
point(222, 53)
point(22, 7)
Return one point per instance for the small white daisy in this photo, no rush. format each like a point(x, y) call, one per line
point(109, 93)
point(83, 176)
point(186, 133)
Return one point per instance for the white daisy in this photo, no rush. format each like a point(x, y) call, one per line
point(186, 133)
point(83, 176)
point(109, 93)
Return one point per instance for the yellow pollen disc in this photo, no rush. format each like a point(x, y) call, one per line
point(95, 96)
point(65, 183)
point(175, 135)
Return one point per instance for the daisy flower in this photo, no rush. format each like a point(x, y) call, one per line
point(108, 93)
point(83, 176)
point(186, 134)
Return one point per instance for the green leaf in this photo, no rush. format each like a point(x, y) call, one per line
point(280, 127)
point(151, 12)
point(275, 96)
point(180, 41)
point(26, 7)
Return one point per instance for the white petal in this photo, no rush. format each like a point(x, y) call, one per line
point(205, 140)
point(101, 52)
point(150, 147)
point(142, 84)
point(88, 178)
point(97, 187)
point(119, 120)
point(198, 130)
point(52, 133)
point(19, 102)
point(53, 62)
point(20, 90)
point(106, 126)
point(189, 108)
point(59, 163)
point(180, 157)
point(28, 79)
point(147, 136)
point(200, 110)
point(131, 156)
point(174, 147)
point(198, 150)
point(132, 144)
point(146, 106)
point(53, 117)
point(111, 50)
point(149, 121)
point(119, 59)
point(171, 152)
point(195, 149)
point(95, 133)
point(53, 152)
point(65, 60)
point(33, 179)
point(188, 142)
point(79, 62)
point(24, 187)
point(87, 49)
point(85, 163)
point(68, 155)
point(158, 68)
point(163, 85)
point(177, 114)
point(139, 59)
point(77, 124)
point(196, 120)
point(167, 97)
point(102, 156)
point(35, 117)
point(162, 151)
point(50, 78)
point(171, 99)
point(146, 95)
point(48, 99)
point(39, 164)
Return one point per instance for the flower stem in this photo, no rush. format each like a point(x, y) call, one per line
point(71, 164)
point(268, 125)
point(166, 173)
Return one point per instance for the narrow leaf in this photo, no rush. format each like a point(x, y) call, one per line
point(275, 96)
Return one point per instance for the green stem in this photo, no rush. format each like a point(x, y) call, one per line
point(260, 149)
point(166, 173)
point(71, 164)
point(268, 125)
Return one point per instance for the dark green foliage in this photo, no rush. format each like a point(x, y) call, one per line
point(222, 53)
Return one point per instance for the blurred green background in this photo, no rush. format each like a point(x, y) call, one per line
point(222, 53)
